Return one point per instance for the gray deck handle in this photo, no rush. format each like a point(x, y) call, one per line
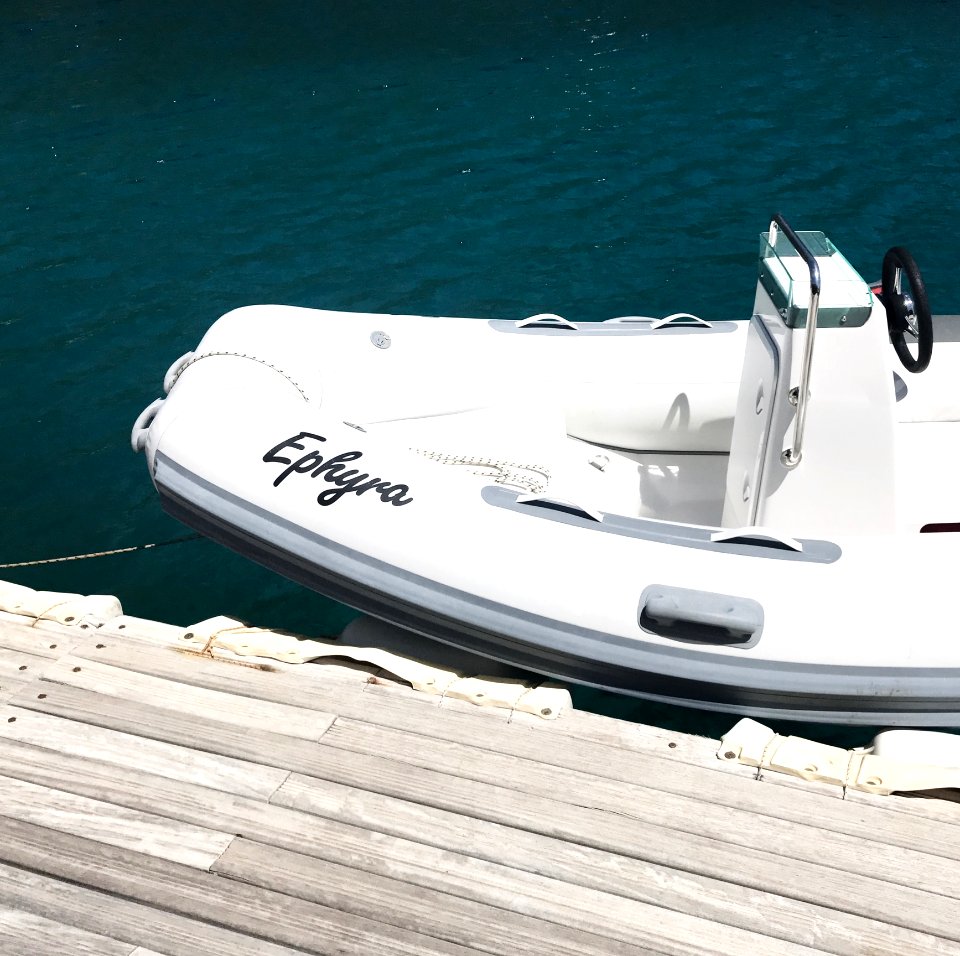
point(702, 616)
point(549, 320)
point(762, 537)
point(561, 504)
point(681, 318)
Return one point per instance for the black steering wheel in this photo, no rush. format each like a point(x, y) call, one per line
point(908, 312)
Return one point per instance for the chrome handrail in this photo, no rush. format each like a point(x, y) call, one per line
point(800, 396)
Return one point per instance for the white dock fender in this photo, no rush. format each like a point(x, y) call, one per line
point(753, 744)
point(138, 434)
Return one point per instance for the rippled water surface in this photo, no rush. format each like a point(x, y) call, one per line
point(166, 162)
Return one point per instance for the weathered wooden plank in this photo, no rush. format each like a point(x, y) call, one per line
point(250, 712)
point(352, 847)
point(22, 933)
point(533, 874)
point(571, 741)
point(16, 636)
point(87, 741)
point(292, 682)
point(701, 751)
point(614, 832)
point(239, 906)
point(663, 774)
point(326, 839)
point(64, 812)
point(177, 662)
point(21, 665)
point(323, 686)
point(288, 682)
point(440, 915)
point(930, 808)
point(141, 629)
point(459, 920)
point(115, 916)
point(818, 883)
point(665, 885)
point(483, 733)
point(578, 724)
point(148, 721)
point(762, 825)
point(577, 731)
point(10, 686)
point(120, 637)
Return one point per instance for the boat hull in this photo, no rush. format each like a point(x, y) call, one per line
point(685, 676)
point(491, 505)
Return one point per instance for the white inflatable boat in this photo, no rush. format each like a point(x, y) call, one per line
point(751, 516)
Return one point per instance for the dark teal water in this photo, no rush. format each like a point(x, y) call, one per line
point(165, 162)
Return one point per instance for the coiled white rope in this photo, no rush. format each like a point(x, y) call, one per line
point(529, 477)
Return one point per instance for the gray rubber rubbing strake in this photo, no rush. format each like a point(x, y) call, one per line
point(677, 673)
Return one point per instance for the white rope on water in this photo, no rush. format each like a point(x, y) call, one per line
point(99, 554)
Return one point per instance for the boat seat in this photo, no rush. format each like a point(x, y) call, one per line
point(655, 416)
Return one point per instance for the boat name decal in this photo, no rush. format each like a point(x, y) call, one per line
point(333, 470)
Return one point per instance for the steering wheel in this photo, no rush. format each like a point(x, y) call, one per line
point(908, 312)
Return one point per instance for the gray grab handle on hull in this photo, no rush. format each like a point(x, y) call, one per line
point(706, 617)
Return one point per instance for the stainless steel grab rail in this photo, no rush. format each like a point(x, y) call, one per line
point(800, 396)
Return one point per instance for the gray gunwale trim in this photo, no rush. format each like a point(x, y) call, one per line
point(679, 675)
point(665, 532)
point(599, 328)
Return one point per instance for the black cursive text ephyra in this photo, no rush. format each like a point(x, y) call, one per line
point(333, 469)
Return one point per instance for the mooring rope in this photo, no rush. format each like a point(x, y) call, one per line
point(100, 554)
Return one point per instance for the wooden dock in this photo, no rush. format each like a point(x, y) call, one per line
point(154, 801)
